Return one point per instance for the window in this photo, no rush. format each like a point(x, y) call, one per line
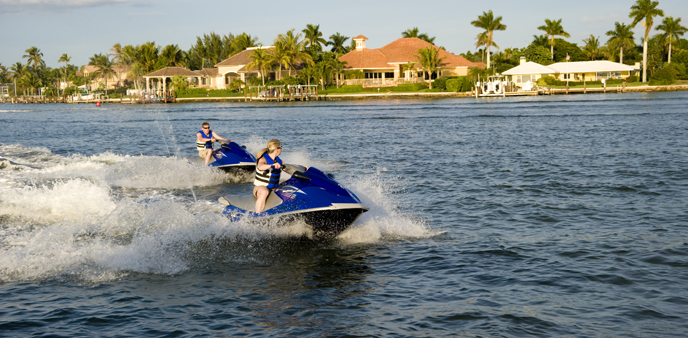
point(203, 80)
point(389, 75)
point(373, 75)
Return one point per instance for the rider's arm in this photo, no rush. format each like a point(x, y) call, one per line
point(263, 165)
point(218, 137)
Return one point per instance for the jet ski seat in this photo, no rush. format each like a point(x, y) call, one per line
point(249, 202)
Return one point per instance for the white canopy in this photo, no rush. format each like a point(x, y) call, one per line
point(529, 68)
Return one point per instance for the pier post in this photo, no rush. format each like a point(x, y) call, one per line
point(567, 88)
point(585, 88)
point(605, 86)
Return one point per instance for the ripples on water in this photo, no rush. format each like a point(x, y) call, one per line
point(548, 216)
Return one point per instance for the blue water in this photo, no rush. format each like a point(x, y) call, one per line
point(550, 216)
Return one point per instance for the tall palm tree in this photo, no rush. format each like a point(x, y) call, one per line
point(592, 47)
point(645, 10)
point(621, 37)
point(429, 59)
point(489, 23)
point(262, 60)
point(65, 58)
point(34, 56)
point(313, 37)
point(553, 28)
point(408, 67)
point(337, 42)
point(174, 55)
point(294, 50)
point(673, 31)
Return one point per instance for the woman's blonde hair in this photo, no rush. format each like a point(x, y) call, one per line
point(272, 146)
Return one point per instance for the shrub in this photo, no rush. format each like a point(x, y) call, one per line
point(459, 84)
point(548, 80)
point(409, 87)
point(236, 86)
point(354, 74)
point(680, 69)
point(202, 92)
point(290, 80)
point(663, 77)
point(441, 82)
point(632, 78)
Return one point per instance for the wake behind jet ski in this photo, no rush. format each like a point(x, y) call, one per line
point(309, 196)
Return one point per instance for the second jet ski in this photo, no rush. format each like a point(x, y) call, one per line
point(233, 157)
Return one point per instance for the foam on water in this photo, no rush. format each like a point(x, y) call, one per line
point(101, 217)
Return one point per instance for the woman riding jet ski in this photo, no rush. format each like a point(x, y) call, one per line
point(309, 195)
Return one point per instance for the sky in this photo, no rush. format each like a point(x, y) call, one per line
point(82, 28)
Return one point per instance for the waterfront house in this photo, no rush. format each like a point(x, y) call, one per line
point(118, 78)
point(234, 68)
point(571, 71)
point(160, 77)
point(386, 66)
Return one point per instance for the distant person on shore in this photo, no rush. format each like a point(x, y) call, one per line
point(204, 142)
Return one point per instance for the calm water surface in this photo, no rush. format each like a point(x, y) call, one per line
point(549, 216)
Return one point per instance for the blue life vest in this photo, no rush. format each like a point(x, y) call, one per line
point(268, 178)
point(205, 145)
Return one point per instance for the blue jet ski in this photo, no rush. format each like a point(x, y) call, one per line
point(310, 196)
point(233, 157)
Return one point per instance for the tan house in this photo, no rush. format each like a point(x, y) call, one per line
point(118, 77)
point(234, 68)
point(158, 79)
point(386, 65)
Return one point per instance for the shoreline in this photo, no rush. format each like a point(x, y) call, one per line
point(392, 95)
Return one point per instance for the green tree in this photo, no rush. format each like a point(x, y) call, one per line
point(180, 82)
point(105, 68)
point(429, 59)
point(538, 54)
point(621, 37)
point(241, 42)
point(673, 31)
point(34, 56)
point(261, 59)
point(174, 55)
point(291, 50)
point(337, 42)
point(415, 33)
point(540, 40)
point(65, 58)
point(313, 37)
point(489, 23)
point(592, 47)
point(553, 28)
point(645, 11)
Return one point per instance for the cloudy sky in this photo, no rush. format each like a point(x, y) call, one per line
point(82, 28)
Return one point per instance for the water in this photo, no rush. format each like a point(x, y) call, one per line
point(547, 216)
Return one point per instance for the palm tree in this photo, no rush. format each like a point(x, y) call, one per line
point(673, 31)
point(262, 60)
point(645, 10)
point(34, 56)
point(337, 42)
point(337, 67)
point(621, 37)
point(174, 55)
point(429, 59)
point(592, 47)
point(313, 37)
point(489, 23)
point(553, 28)
point(408, 67)
point(292, 49)
point(105, 69)
point(243, 41)
point(415, 33)
point(540, 40)
point(65, 58)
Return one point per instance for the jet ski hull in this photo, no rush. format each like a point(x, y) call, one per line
point(311, 197)
point(232, 157)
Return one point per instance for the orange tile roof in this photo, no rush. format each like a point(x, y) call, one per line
point(399, 51)
point(172, 71)
point(360, 37)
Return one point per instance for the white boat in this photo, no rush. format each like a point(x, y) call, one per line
point(494, 86)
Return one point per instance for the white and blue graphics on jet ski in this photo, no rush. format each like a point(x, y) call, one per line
point(233, 157)
point(311, 196)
